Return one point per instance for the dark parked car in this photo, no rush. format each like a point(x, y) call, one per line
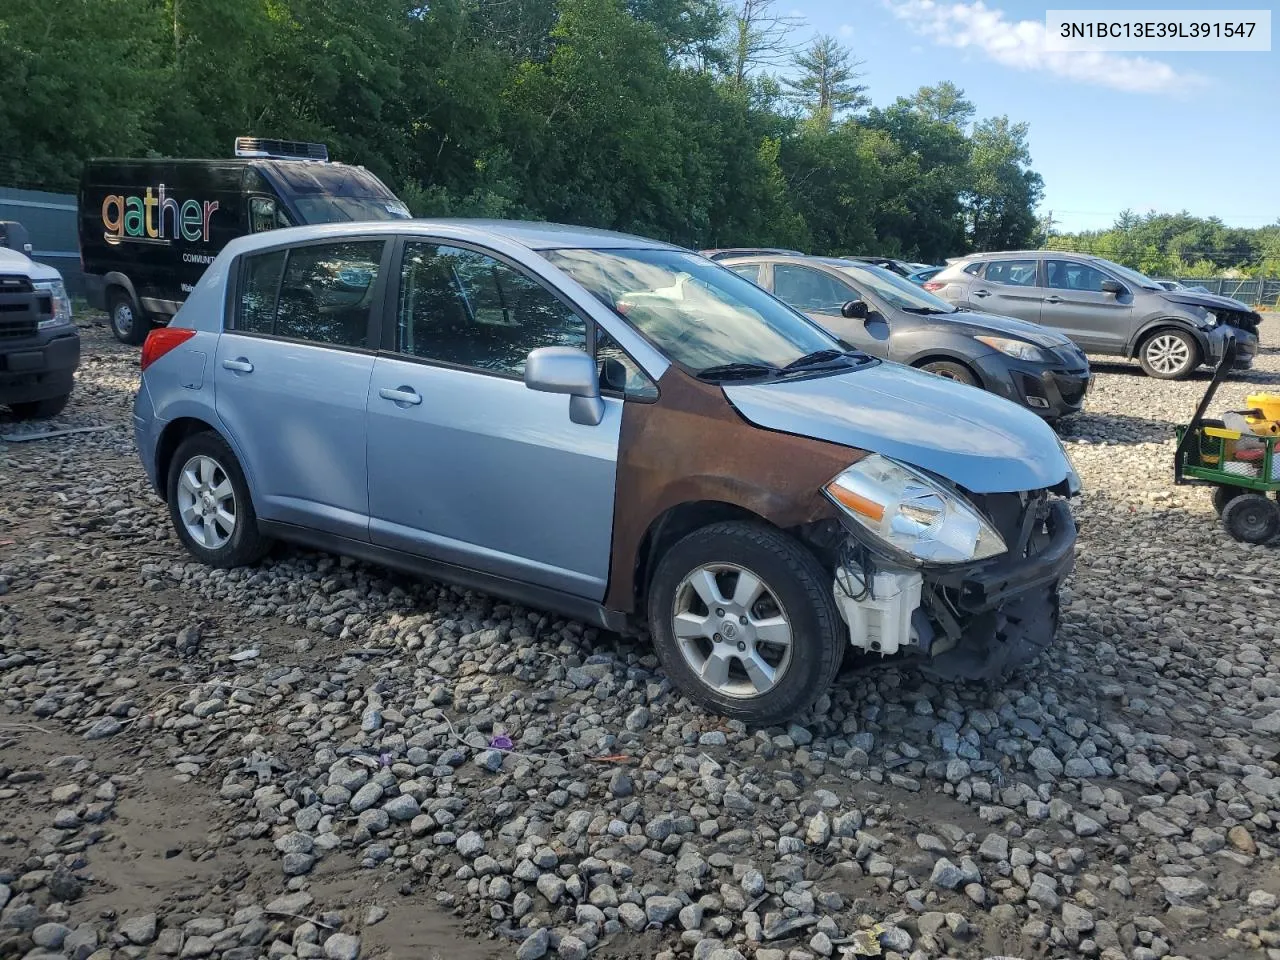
point(921, 277)
point(1105, 308)
point(887, 316)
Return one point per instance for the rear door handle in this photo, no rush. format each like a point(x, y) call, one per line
point(981, 293)
point(1052, 299)
point(239, 365)
point(402, 394)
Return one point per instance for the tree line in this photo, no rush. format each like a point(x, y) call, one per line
point(1180, 245)
point(687, 120)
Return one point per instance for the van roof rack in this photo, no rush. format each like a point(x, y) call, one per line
point(281, 149)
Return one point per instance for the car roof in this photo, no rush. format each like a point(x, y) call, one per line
point(724, 253)
point(530, 234)
point(842, 263)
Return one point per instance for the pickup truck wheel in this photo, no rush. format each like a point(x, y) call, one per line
point(40, 409)
point(744, 621)
point(127, 323)
point(1169, 355)
point(1252, 518)
point(209, 504)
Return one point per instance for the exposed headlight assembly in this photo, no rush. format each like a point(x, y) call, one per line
point(1012, 347)
point(1210, 319)
point(61, 302)
point(911, 514)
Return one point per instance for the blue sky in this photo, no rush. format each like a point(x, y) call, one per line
point(1163, 131)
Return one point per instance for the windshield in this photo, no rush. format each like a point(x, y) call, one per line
point(699, 314)
point(328, 209)
point(1133, 276)
point(897, 291)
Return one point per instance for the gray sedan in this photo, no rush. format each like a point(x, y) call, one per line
point(885, 315)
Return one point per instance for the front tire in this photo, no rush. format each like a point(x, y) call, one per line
point(40, 409)
point(1252, 518)
point(951, 370)
point(209, 504)
point(128, 325)
point(1169, 355)
point(744, 621)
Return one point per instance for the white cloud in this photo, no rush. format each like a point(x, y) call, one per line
point(846, 30)
point(1021, 45)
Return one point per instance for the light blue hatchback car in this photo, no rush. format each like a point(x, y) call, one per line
point(613, 428)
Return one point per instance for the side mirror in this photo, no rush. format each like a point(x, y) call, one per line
point(1112, 287)
point(854, 310)
point(566, 370)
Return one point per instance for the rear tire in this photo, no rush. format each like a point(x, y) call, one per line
point(729, 657)
point(128, 324)
point(1252, 518)
point(1224, 495)
point(209, 504)
point(40, 409)
point(1169, 354)
point(951, 370)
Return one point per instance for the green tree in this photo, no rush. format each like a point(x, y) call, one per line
point(1003, 190)
point(827, 84)
point(945, 103)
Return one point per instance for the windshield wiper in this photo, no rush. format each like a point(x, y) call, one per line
point(928, 310)
point(737, 371)
point(817, 358)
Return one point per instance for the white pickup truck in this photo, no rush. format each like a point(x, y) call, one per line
point(39, 345)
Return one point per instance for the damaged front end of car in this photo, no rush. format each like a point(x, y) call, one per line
point(967, 582)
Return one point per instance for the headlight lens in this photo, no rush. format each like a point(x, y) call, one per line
point(912, 514)
point(1014, 348)
point(61, 302)
point(1210, 319)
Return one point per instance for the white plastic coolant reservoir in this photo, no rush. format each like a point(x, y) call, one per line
point(881, 621)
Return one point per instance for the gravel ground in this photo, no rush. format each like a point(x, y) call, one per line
point(317, 758)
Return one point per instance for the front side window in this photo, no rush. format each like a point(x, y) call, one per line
point(698, 313)
point(618, 372)
point(1069, 275)
point(468, 309)
point(810, 291)
point(265, 214)
point(320, 293)
point(1015, 273)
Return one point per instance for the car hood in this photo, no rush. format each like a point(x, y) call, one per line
point(11, 261)
point(982, 442)
point(1210, 300)
point(993, 323)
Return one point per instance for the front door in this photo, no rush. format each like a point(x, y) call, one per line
point(819, 296)
point(291, 378)
point(1076, 304)
point(466, 464)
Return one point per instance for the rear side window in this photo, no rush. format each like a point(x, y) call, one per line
point(320, 293)
point(1015, 273)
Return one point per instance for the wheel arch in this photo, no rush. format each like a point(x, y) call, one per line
point(1151, 327)
point(935, 355)
point(117, 279)
point(171, 437)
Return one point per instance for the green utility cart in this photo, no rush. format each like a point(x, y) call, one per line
point(1243, 468)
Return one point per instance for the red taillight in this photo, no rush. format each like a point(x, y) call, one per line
point(161, 340)
point(934, 284)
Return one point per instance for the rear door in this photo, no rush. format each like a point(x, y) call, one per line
point(1076, 304)
point(1009, 288)
point(292, 378)
point(466, 464)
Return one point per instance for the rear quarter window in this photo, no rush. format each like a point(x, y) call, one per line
point(974, 269)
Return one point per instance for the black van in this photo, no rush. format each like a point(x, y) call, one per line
point(149, 228)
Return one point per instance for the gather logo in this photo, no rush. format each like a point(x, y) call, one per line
point(156, 218)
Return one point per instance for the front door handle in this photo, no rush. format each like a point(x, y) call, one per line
point(1052, 299)
point(402, 394)
point(981, 293)
point(239, 365)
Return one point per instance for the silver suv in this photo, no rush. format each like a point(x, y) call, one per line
point(613, 428)
point(1104, 307)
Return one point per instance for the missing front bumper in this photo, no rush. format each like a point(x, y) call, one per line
point(975, 622)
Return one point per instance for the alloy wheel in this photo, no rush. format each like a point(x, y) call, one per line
point(207, 502)
point(732, 630)
point(1168, 353)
